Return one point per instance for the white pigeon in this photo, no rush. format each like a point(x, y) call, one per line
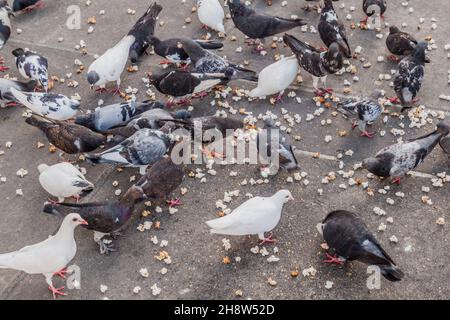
point(257, 215)
point(49, 105)
point(109, 66)
point(276, 77)
point(48, 257)
point(63, 180)
point(211, 14)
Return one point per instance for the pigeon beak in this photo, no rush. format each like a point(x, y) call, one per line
point(83, 222)
point(291, 198)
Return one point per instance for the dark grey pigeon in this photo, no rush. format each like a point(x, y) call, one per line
point(349, 238)
point(257, 25)
point(284, 152)
point(332, 30)
point(398, 159)
point(445, 145)
point(204, 61)
point(318, 64)
point(105, 118)
point(399, 43)
point(6, 97)
point(32, 66)
point(142, 149)
point(172, 49)
point(5, 24)
point(26, 5)
point(142, 31)
point(104, 218)
point(409, 76)
point(363, 110)
point(371, 7)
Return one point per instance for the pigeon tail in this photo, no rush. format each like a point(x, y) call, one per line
point(210, 44)
point(443, 129)
point(94, 158)
point(246, 75)
point(6, 261)
point(40, 123)
point(50, 209)
point(392, 272)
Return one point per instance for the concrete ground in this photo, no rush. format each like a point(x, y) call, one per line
point(197, 269)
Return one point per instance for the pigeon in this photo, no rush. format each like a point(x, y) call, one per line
point(374, 7)
point(259, 26)
point(106, 218)
point(6, 97)
point(63, 180)
point(257, 215)
point(5, 24)
point(317, 7)
point(332, 30)
point(275, 154)
point(32, 66)
point(142, 149)
point(48, 257)
point(349, 238)
point(161, 179)
point(364, 109)
point(49, 105)
point(211, 14)
point(179, 83)
point(398, 159)
point(409, 76)
point(172, 50)
point(276, 77)
point(27, 5)
point(445, 144)
point(105, 118)
point(318, 64)
point(205, 61)
point(69, 137)
point(142, 30)
point(399, 43)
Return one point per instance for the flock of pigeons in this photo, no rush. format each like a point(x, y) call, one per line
point(138, 134)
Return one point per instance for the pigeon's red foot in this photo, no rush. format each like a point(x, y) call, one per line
point(3, 68)
point(57, 291)
point(184, 67)
point(323, 49)
point(165, 62)
point(101, 90)
point(52, 201)
point(279, 98)
point(396, 181)
point(367, 134)
point(393, 58)
point(394, 100)
point(174, 202)
point(323, 91)
point(11, 104)
point(258, 49)
point(267, 240)
point(170, 104)
point(184, 102)
point(200, 95)
point(416, 99)
point(354, 125)
point(333, 259)
point(205, 27)
point(116, 91)
point(61, 273)
point(77, 198)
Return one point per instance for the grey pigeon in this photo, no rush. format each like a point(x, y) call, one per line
point(142, 149)
point(399, 43)
point(104, 218)
point(284, 153)
point(257, 25)
point(409, 76)
point(5, 23)
point(318, 64)
point(32, 66)
point(364, 109)
point(332, 30)
point(6, 97)
point(105, 118)
point(205, 61)
point(398, 159)
point(348, 237)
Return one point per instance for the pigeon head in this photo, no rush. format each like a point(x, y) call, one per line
point(269, 122)
point(134, 56)
point(283, 195)
point(134, 194)
point(377, 93)
point(42, 167)
point(182, 115)
point(73, 220)
point(393, 30)
point(420, 51)
point(371, 164)
point(18, 52)
point(93, 77)
point(333, 58)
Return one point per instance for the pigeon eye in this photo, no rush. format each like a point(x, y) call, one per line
point(74, 219)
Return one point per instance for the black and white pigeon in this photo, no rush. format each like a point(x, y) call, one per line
point(374, 7)
point(106, 218)
point(332, 30)
point(69, 137)
point(27, 5)
point(445, 145)
point(275, 154)
point(161, 179)
point(49, 105)
point(399, 43)
point(6, 97)
point(142, 31)
point(142, 149)
point(172, 49)
point(182, 84)
point(48, 257)
point(348, 237)
point(257, 25)
point(204, 61)
point(318, 64)
point(5, 23)
point(32, 66)
point(363, 110)
point(409, 76)
point(397, 160)
point(118, 114)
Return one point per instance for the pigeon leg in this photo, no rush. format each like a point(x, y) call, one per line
point(61, 273)
point(77, 198)
point(367, 134)
point(11, 104)
point(116, 90)
point(184, 66)
point(52, 201)
point(184, 102)
point(101, 90)
point(40, 5)
point(105, 248)
point(57, 291)
point(394, 100)
point(354, 125)
point(200, 95)
point(267, 240)
point(393, 58)
point(333, 259)
point(170, 103)
point(363, 23)
point(416, 99)
point(3, 68)
point(396, 181)
point(205, 27)
point(279, 97)
point(165, 62)
point(174, 202)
